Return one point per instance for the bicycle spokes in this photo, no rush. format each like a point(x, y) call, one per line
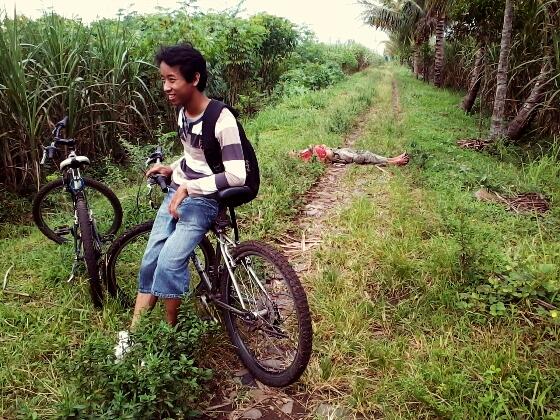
point(270, 330)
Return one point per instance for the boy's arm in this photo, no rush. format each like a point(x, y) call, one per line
point(227, 134)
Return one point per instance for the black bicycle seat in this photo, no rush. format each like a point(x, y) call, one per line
point(233, 196)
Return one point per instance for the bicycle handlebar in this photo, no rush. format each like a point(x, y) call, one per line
point(49, 151)
point(63, 122)
point(59, 126)
point(162, 182)
point(154, 158)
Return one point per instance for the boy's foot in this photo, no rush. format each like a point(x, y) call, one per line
point(123, 345)
point(399, 160)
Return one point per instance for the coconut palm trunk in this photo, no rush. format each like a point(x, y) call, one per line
point(416, 58)
point(439, 53)
point(498, 126)
point(525, 114)
point(474, 86)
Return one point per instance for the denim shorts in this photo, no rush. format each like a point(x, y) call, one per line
point(164, 270)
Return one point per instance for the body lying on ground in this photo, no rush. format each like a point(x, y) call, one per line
point(345, 155)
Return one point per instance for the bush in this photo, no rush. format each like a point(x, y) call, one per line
point(310, 76)
point(523, 282)
point(157, 378)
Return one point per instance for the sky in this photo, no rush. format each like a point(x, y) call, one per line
point(332, 21)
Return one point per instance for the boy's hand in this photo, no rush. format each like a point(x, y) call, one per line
point(158, 168)
point(178, 197)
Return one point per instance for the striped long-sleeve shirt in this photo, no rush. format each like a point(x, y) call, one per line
point(193, 171)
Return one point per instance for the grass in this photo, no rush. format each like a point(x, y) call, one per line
point(395, 337)
point(405, 286)
point(40, 333)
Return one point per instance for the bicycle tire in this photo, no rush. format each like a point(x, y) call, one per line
point(91, 256)
point(53, 186)
point(120, 244)
point(305, 332)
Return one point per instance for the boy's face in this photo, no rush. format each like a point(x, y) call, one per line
point(176, 88)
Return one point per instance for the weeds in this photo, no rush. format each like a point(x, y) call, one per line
point(157, 378)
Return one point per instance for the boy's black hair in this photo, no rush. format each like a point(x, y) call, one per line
point(189, 60)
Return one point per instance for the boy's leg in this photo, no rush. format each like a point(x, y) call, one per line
point(164, 225)
point(361, 157)
point(171, 310)
point(171, 276)
point(343, 156)
point(144, 301)
point(399, 160)
point(364, 157)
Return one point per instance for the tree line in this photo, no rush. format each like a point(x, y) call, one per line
point(506, 53)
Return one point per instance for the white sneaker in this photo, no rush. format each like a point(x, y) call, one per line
point(123, 345)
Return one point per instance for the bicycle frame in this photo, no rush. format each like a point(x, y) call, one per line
point(75, 186)
point(225, 261)
point(74, 183)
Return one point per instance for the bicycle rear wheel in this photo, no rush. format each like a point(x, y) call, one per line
point(125, 255)
point(275, 345)
point(88, 242)
point(53, 209)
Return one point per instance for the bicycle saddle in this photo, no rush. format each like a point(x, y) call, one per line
point(233, 196)
point(74, 162)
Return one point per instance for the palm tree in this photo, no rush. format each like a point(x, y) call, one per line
point(438, 8)
point(398, 46)
point(548, 19)
point(414, 20)
point(403, 18)
point(476, 78)
point(475, 21)
point(498, 126)
point(521, 121)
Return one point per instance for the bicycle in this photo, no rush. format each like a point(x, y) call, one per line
point(65, 207)
point(251, 284)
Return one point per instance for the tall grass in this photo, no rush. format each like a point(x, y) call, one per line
point(53, 67)
point(393, 337)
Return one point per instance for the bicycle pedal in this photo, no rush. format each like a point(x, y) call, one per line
point(210, 315)
point(63, 230)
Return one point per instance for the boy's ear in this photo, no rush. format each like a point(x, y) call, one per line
point(196, 78)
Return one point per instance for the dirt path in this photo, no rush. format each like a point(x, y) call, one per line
point(236, 395)
point(326, 196)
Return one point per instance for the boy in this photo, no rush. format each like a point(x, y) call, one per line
point(190, 207)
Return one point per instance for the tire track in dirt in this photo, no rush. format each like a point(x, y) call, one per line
point(329, 192)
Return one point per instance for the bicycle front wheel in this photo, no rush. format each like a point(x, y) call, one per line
point(87, 240)
point(53, 209)
point(274, 340)
point(125, 255)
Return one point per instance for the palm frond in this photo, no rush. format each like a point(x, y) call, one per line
point(382, 17)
